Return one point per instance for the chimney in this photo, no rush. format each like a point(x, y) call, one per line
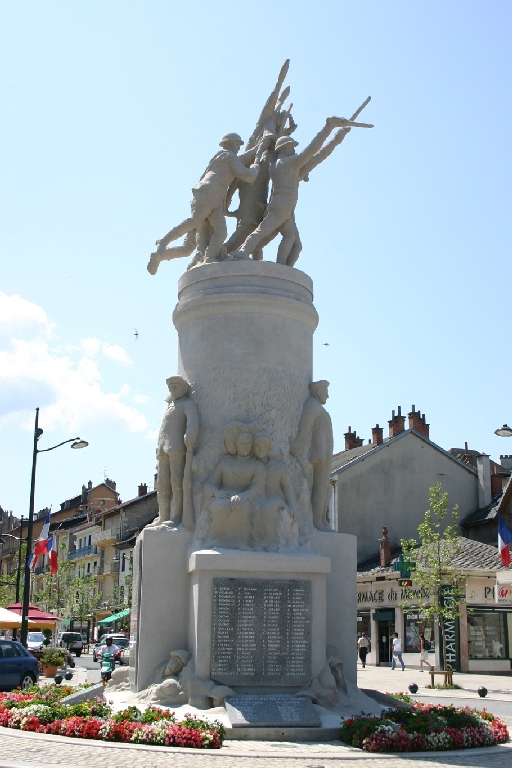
point(143, 489)
point(396, 423)
point(385, 548)
point(377, 435)
point(496, 485)
point(483, 466)
point(352, 440)
point(506, 461)
point(89, 485)
point(417, 422)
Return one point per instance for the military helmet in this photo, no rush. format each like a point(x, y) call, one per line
point(230, 137)
point(284, 141)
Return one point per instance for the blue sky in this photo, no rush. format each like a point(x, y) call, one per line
point(111, 112)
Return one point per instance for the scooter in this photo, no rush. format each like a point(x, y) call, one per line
point(108, 665)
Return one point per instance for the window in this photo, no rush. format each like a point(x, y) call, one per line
point(363, 623)
point(123, 562)
point(415, 624)
point(89, 540)
point(486, 635)
point(88, 567)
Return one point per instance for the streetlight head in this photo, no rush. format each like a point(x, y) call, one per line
point(39, 432)
point(83, 443)
point(504, 431)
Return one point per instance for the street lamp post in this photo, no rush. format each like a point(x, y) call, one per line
point(77, 443)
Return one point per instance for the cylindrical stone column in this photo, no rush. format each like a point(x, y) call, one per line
point(246, 345)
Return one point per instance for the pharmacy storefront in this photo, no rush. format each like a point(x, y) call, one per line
point(479, 641)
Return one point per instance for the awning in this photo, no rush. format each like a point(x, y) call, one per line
point(10, 620)
point(115, 617)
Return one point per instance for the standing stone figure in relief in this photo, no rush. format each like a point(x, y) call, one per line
point(285, 174)
point(274, 524)
point(315, 421)
point(176, 443)
point(230, 492)
point(209, 197)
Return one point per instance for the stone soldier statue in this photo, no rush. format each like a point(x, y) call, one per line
point(209, 196)
point(315, 421)
point(285, 174)
point(176, 441)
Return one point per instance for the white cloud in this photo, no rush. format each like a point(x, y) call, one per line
point(141, 399)
point(117, 353)
point(124, 391)
point(112, 351)
point(152, 434)
point(68, 391)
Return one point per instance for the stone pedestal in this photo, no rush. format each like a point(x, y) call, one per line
point(259, 622)
point(245, 333)
point(159, 620)
point(302, 634)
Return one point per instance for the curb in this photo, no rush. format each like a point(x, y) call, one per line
point(346, 753)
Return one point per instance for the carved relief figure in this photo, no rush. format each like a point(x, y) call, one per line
point(316, 422)
point(207, 205)
point(231, 491)
point(274, 524)
point(176, 443)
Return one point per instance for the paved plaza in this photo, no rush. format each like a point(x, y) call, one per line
point(20, 749)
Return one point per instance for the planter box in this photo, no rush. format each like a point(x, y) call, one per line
point(50, 671)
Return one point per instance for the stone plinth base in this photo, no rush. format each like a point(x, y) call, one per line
point(159, 621)
point(207, 565)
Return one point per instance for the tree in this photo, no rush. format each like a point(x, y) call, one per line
point(84, 598)
point(54, 593)
point(8, 582)
point(443, 587)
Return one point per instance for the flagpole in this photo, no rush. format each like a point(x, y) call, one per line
point(26, 585)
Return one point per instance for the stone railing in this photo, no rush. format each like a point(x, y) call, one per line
point(103, 537)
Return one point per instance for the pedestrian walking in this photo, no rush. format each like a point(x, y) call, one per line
point(363, 645)
point(424, 649)
point(397, 652)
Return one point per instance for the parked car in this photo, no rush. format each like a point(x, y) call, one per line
point(17, 666)
point(72, 641)
point(35, 641)
point(121, 641)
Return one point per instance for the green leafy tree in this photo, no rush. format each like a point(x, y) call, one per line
point(8, 581)
point(431, 562)
point(53, 595)
point(84, 598)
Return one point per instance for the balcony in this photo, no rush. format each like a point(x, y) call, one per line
point(83, 552)
point(111, 568)
point(40, 569)
point(106, 537)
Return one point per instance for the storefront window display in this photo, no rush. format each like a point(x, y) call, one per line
point(415, 624)
point(486, 636)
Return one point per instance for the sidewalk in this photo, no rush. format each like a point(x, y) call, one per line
point(385, 679)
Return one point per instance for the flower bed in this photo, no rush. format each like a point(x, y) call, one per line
point(40, 709)
point(424, 727)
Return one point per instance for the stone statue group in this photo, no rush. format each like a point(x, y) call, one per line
point(269, 164)
point(248, 498)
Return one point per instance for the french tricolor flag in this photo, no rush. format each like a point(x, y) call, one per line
point(42, 541)
point(51, 548)
point(504, 539)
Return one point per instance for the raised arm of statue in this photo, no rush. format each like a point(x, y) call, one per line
point(331, 145)
point(269, 107)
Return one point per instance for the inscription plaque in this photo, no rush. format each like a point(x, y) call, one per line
point(269, 711)
point(261, 632)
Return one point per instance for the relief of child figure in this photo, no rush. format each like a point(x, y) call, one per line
point(274, 522)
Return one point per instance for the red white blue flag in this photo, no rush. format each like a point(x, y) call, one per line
point(504, 539)
point(51, 548)
point(41, 543)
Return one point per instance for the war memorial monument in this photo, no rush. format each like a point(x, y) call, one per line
point(243, 596)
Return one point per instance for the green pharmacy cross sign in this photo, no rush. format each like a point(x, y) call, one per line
point(404, 566)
